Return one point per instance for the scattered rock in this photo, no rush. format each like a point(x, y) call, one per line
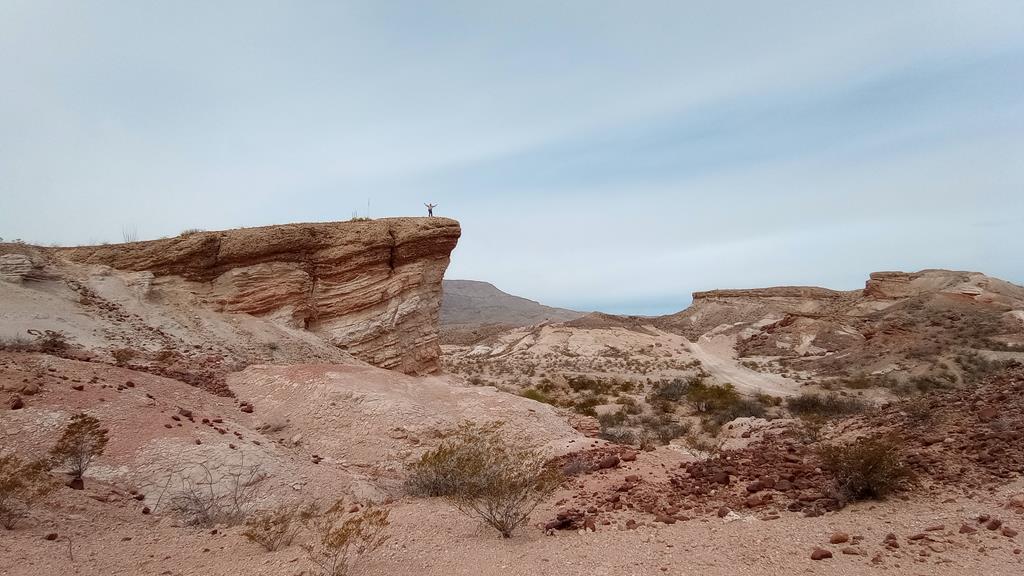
point(1008, 532)
point(820, 554)
point(839, 538)
point(16, 403)
point(50, 536)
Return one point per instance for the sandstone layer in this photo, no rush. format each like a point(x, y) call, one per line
point(370, 288)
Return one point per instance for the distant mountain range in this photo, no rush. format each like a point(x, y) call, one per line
point(473, 303)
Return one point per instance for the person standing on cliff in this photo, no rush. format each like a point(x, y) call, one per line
point(430, 209)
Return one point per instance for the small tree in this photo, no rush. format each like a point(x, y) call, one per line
point(83, 440)
point(22, 484)
point(339, 535)
point(486, 476)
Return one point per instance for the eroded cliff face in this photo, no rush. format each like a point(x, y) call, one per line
point(371, 288)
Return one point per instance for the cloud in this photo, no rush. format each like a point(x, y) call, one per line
point(625, 154)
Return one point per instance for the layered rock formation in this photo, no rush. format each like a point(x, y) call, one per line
point(372, 288)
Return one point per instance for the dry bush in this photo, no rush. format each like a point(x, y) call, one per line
point(22, 484)
point(276, 528)
point(867, 468)
point(123, 356)
point(340, 535)
point(206, 494)
point(49, 341)
point(484, 475)
point(536, 395)
point(828, 405)
point(83, 440)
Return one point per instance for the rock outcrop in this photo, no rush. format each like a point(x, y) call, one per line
point(371, 288)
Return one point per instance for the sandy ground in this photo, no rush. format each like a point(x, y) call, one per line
point(428, 537)
point(717, 356)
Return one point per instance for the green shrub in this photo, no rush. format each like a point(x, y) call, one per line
point(82, 441)
point(712, 397)
point(867, 468)
point(486, 476)
point(536, 395)
point(831, 405)
point(22, 484)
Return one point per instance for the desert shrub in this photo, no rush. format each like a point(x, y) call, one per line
point(666, 432)
point(341, 533)
point(122, 356)
point(16, 344)
point(739, 409)
point(82, 441)
point(867, 468)
point(618, 435)
point(50, 341)
point(629, 405)
point(711, 397)
point(536, 395)
point(22, 484)
point(609, 419)
point(830, 405)
point(190, 231)
point(811, 429)
point(974, 366)
point(486, 476)
point(672, 390)
point(276, 528)
point(206, 494)
point(768, 399)
point(585, 404)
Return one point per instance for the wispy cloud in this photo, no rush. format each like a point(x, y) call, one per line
point(626, 154)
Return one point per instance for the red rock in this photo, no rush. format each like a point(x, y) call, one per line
point(664, 518)
point(994, 524)
point(820, 554)
point(16, 403)
point(723, 511)
point(78, 387)
point(76, 483)
point(935, 528)
point(839, 538)
point(628, 456)
point(965, 529)
point(247, 408)
point(50, 536)
point(609, 461)
point(1008, 532)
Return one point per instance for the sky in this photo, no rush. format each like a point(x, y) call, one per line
point(610, 156)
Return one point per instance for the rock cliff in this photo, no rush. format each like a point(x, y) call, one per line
point(372, 288)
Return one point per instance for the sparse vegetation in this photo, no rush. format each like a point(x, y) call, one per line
point(537, 395)
point(206, 494)
point(826, 405)
point(343, 532)
point(276, 528)
point(867, 468)
point(82, 441)
point(22, 484)
point(122, 356)
point(486, 476)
